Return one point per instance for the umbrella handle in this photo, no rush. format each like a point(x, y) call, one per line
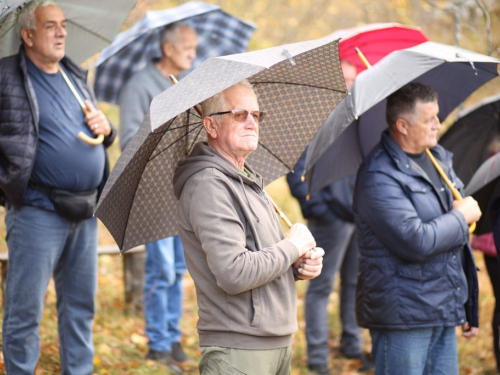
point(363, 58)
point(89, 140)
point(81, 135)
point(279, 212)
point(454, 190)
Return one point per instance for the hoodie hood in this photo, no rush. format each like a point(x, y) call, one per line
point(203, 156)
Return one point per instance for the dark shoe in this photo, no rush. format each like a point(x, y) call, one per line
point(178, 354)
point(165, 358)
point(366, 363)
point(319, 369)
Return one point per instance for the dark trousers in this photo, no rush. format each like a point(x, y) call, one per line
point(493, 268)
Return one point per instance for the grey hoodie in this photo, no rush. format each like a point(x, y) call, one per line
point(236, 254)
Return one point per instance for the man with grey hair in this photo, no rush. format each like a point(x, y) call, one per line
point(165, 263)
point(49, 181)
point(243, 266)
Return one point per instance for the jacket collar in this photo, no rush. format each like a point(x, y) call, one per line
point(408, 166)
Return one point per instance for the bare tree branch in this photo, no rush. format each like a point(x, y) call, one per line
point(488, 25)
point(447, 8)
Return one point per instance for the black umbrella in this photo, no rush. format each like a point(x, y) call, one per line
point(473, 138)
point(469, 137)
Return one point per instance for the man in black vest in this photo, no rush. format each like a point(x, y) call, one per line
point(49, 181)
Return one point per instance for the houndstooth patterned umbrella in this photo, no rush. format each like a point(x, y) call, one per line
point(218, 34)
point(298, 85)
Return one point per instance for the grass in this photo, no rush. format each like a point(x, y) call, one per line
point(121, 344)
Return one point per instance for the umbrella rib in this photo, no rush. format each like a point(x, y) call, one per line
point(174, 142)
point(181, 127)
point(5, 33)
point(89, 31)
point(276, 156)
point(195, 138)
point(298, 84)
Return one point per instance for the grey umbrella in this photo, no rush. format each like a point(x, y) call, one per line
point(91, 25)
point(298, 85)
point(354, 127)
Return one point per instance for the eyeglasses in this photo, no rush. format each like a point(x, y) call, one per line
point(240, 115)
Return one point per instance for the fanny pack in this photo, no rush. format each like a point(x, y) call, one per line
point(71, 205)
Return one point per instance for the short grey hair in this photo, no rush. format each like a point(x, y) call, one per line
point(170, 33)
point(218, 102)
point(26, 18)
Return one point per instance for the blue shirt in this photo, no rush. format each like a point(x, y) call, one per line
point(63, 160)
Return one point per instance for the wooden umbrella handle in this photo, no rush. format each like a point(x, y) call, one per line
point(89, 140)
point(454, 190)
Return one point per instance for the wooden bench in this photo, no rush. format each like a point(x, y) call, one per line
point(133, 272)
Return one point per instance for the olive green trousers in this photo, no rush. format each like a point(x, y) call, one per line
point(226, 361)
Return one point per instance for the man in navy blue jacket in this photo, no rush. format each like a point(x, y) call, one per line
point(417, 276)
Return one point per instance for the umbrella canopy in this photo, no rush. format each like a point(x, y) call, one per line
point(354, 127)
point(298, 85)
point(91, 25)
point(469, 137)
point(376, 41)
point(218, 34)
point(484, 187)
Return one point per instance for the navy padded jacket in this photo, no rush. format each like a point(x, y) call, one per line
point(411, 273)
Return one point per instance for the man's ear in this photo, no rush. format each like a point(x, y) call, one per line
point(401, 126)
point(210, 126)
point(167, 49)
point(26, 35)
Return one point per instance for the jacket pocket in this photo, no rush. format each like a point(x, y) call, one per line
point(422, 272)
point(256, 308)
point(423, 293)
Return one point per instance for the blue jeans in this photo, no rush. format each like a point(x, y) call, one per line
point(42, 243)
point(164, 269)
point(338, 239)
point(422, 351)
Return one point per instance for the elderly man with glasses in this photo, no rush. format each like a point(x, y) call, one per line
point(243, 266)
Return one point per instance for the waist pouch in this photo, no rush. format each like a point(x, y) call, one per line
point(71, 205)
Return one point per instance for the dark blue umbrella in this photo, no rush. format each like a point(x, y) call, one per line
point(218, 33)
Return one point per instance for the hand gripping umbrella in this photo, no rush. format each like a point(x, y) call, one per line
point(91, 25)
point(298, 85)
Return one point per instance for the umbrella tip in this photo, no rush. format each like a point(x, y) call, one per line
point(289, 57)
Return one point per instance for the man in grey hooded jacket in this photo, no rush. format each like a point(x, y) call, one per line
point(243, 267)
